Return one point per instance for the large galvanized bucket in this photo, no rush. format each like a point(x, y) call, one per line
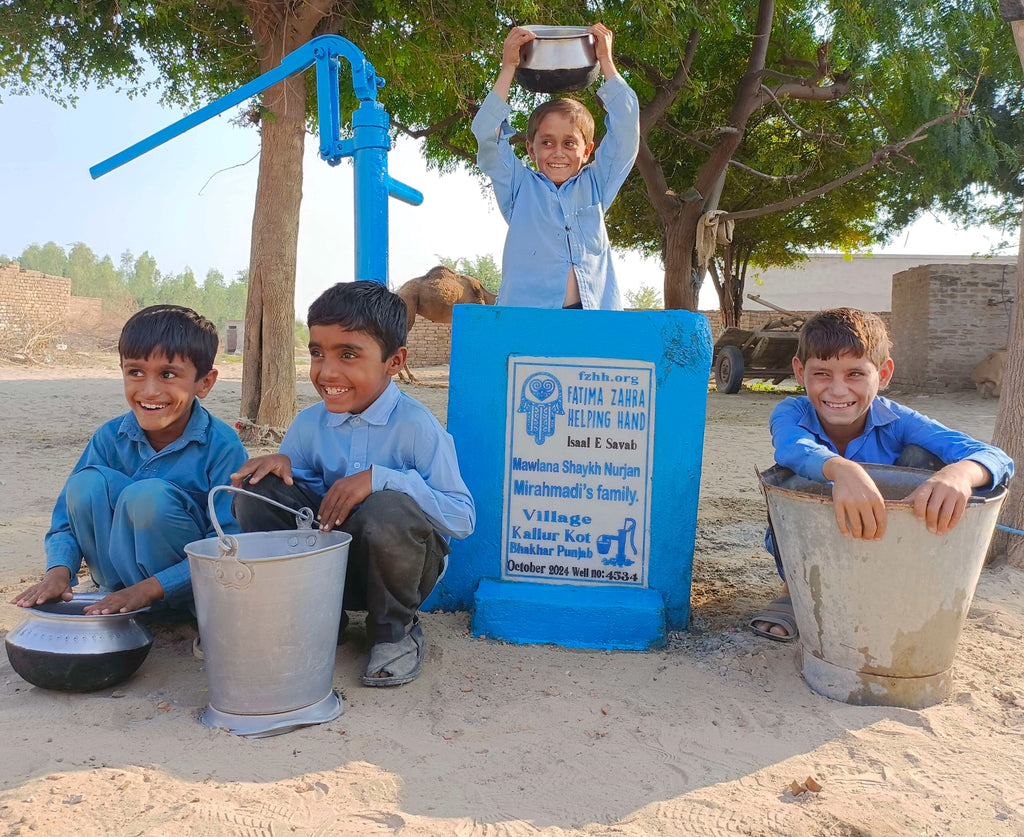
point(880, 620)
point(269, 606)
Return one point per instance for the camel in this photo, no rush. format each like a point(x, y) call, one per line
point(988, 375)
point(433, 295)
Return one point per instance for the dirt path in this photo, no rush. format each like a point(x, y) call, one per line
point(494, 739)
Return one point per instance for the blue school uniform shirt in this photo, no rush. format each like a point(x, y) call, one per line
point(803, 446)
point(551, 228)
point(205, 455)
point(402, 444)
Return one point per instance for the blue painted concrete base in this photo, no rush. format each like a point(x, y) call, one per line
point(525, 613)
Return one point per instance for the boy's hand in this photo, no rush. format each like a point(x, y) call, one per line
point(941, 499)
point(56, 584)
point(259, 466)
point(603, 46)
point(514, 41)
point(343, 496)
point(856, 498)
point(131, 598)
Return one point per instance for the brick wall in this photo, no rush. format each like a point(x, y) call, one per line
point(757, 318)
point(31, 301)
point(429, 344)
point(946, 319)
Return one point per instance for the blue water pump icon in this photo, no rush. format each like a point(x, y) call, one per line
point(604, 543)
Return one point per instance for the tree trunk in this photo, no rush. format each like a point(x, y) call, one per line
point(681, 226)
point(1009, 432)
point(268, 374)
point(680, 239)
point(268, 379)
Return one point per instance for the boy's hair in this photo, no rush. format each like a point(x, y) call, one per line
point(829, 334)
point(575, 111)
point(173, 329)
point(363, 306)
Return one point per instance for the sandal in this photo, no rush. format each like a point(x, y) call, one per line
point(396, 663)
point(777, 612)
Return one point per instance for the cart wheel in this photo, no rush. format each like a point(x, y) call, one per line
point(729, 370)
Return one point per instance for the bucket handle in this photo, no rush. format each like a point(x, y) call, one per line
point(229, 571)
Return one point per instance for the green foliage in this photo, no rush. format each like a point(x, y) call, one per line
point(482, 268)
point(644, 298)
point(137, 281)
point(892, 67)
point(301, 334)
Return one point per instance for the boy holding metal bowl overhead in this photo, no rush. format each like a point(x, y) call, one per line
point(556, 252)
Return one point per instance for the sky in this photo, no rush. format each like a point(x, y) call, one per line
point(189, 202)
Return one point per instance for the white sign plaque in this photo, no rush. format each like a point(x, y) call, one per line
point(579, 445)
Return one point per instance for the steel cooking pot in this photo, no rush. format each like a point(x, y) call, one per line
point(559, 59)
point(60, 647)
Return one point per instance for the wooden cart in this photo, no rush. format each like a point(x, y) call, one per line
point(766, 352)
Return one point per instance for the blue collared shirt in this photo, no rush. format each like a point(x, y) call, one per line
point(401, 442)
point(551, 229)
point(205, 455)
point(803, 446)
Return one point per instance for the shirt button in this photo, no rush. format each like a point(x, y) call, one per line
point(356, 464)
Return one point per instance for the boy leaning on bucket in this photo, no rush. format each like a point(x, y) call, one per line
point(370, 461)
point(842, 361)
point(138, 493)
point(557, 253)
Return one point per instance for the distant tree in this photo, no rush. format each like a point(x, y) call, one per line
point(49, 259)
point(213, 296)
point(482, 268)
point(181, 289)
point(643, 298)
point(144, 280)
point(90, 275)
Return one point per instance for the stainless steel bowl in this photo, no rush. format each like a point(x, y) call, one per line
point(558, 60)
point(59, 647)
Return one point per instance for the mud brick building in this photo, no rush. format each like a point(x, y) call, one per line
point(31, 301)
point(946, 318)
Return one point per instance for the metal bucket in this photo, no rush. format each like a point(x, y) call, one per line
point(269, 606)
point(880, 620)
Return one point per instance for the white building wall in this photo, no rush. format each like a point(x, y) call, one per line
point(834, 281)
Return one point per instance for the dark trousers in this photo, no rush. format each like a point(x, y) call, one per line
point(393, 561)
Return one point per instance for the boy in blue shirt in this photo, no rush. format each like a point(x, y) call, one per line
point(373, 462)
point(557, 253)
point(138, 493)
point(843, 361)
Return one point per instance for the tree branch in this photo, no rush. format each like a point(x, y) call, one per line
point(666, 91)
point(309, 14)
point(789, 119)
point(744, 104)
point(663, 199)
point(461, 153)
point(810, 92)
point(879, 156)
point(772, 178)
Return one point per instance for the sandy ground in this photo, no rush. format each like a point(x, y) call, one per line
point(493, 739)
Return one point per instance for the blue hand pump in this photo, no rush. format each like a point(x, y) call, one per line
point(368, 146)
